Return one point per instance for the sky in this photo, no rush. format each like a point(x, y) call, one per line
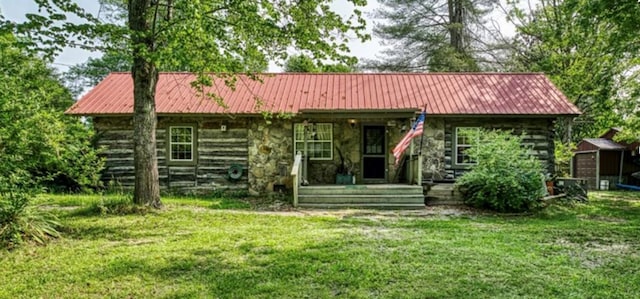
point(16, 10)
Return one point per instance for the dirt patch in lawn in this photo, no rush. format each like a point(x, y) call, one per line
point(594, 254)
point(604, 219)
point(372, 214)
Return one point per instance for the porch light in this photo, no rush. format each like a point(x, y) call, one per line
point(352, 123)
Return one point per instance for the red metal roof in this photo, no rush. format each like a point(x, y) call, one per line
point(443, 93)
point(599, 143)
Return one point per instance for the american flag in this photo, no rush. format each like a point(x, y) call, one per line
point(416, 130)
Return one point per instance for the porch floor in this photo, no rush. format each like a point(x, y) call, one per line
point(391, 196)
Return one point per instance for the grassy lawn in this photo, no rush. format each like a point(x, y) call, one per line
point(221, 248)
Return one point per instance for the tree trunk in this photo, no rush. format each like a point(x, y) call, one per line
point(145, 79)
point(456, 22)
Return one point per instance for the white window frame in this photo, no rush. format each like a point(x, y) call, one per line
point(457, 146)
point(171, 143)
point(327, 138)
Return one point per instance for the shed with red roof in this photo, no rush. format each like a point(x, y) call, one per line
point(604, 162)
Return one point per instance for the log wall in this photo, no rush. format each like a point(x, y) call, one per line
point(538, 132)
point(216, 150)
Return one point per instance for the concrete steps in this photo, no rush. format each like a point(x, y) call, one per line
point(362, 196)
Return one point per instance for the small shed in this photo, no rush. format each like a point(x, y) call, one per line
point(604, 162)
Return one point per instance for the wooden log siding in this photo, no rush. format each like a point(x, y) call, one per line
point(216, 152)
point(539, 135)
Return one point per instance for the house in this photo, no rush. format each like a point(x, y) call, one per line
point(251, 143)
point(604, 162)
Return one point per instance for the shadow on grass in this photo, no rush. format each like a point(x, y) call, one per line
point(213, 202)
point(319, 270)
point(111, 208)
point(622, 209)
point(344, 266)
point(96, 232)
point(124, 233)
point(229, 204)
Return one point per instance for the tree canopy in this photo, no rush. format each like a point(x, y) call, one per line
point(206, 37)
point(305, 64)
point(587, 53)
point(91, 72)
point(439, 35)
point(38, 143)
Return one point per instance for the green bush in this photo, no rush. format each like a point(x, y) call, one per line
point(563, 155)
point(53, 148)
point(506, 178)
point(119, 205)
point(39, 145)
point(21, 221)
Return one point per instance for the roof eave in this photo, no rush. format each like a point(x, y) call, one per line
point(390, 110)
point(504, 115)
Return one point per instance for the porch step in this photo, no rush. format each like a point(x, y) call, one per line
point(362, 196)
point(361, 206)
point(390, 189)
point(443, 194)
point(365, 198)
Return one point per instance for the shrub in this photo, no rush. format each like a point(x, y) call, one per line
point(119, 205)
point(20, 221)
point(54, 149)
point(506, 177)
point(563, 155)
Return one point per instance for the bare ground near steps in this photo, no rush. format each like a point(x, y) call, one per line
point(283, 208)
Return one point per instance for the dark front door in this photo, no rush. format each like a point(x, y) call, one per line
point(373, 154)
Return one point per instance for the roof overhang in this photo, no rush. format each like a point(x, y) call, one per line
point(359, 113)
point(460, 115)
point(342, 113)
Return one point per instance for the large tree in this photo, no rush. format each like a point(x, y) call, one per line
point(434, 35)
point(586, 49)
point(624, 16)
point(220, 37)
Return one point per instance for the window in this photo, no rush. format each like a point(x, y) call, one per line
point(464, 140)
point(319, 140)
point(181, 143)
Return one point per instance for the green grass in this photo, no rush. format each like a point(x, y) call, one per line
point(84, 201)
point(194, 248)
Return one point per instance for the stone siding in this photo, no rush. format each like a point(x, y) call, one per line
point(433, 151)
point(349, 140)
point(270, 154)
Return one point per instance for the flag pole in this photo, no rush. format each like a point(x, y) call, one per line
point(424, 110)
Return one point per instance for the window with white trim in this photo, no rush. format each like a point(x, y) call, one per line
point(464, 140)
point(181, 143)
point(319, 140)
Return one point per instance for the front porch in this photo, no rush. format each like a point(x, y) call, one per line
point(381, 195)
point(354, 146)
point(350, 164)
